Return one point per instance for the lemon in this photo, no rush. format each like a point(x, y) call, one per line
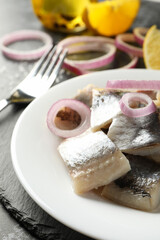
point(61, 15)
point(112, 17)
point(65, 7)
point(151, 48)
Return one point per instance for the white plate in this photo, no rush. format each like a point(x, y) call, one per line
point(42, 173)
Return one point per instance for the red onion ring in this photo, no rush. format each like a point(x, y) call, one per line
point(134, 84)
point(80, 71)
point(136, 112)
point(96, 62)
point(139, 33)
point(76, 44)
point(121, 43)
point(82, 109)
point(132, 63)
point(25, 35)
point(83, 39)
point(74, 69)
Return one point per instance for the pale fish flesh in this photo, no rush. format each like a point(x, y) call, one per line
point(92, 160)
point(138, 136)
point(139, 188)
point(105, 106)
point(85, 95)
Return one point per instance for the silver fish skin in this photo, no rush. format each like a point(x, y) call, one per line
point(92, 160)
point(137, 136)
point(139, 188)
point(105, 106)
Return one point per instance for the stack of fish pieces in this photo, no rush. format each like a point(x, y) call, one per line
point(139, 139)
point(134, 181)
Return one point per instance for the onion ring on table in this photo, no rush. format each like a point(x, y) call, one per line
point(79, 71)
point(83, 39)
point(107, 58)
point(121, 43)
point(132, 63)
point(139, 33)
point(25, 35)
point(74, 69)
point(82, 109)
point(136, 112)
point(76, 44)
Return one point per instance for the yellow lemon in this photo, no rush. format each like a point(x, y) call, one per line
point(151, 48)
point(61, 15)
point(112, 17)
point(66, 7)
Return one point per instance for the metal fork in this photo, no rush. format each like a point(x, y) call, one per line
point(39, 80)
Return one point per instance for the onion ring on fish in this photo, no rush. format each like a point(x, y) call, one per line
point(133, 84)
point(121, 43)
point(129, 98)
point(139, 34)
point(25, 35)
point(75, 105)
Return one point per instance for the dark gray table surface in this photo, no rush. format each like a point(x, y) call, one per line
point(20, 216)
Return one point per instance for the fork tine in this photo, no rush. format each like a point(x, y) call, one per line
point(54, 60)
point(55, 66)
point(40, 62)
point(58, 66)
point(47, 61)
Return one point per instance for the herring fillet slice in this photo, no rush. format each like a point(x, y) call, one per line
point(92, 160)
point(85, 95)
point(137, 136)
point(139, 188)
point(105, 106)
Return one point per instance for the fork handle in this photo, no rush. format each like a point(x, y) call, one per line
point(4, 103)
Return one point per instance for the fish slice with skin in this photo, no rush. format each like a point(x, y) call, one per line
point(105, 106)
point(92, 160)
point(139, 188)
point(85, 95)
point(137, 136)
